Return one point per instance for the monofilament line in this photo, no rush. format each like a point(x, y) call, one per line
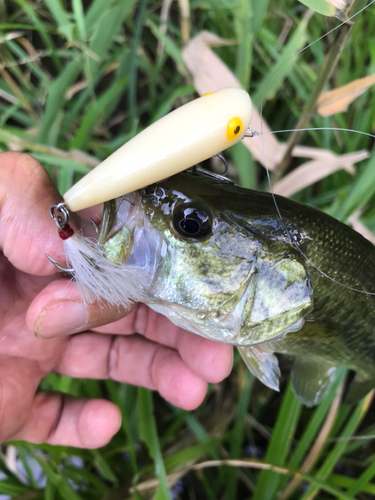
point(294, 244)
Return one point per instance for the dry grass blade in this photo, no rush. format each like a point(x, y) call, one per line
point(253, 464)
point(17, 91)
point(9, 457)
point(361, 228)
point(329, 7)
point(15, 143)
point(163, 23)
point(185, 20)
point(339, 4)
point(363, 407)
point(313, 153)
point(74, 89)
point(77, 87)
point(317, 447)
point(8, 97)
point(12, 35)
point(315, 170)
point(337, 100)
point(30, 49)
point(152, 483)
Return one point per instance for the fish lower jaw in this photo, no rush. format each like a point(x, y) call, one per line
point(222, 329)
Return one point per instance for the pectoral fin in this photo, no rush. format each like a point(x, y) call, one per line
point(311, 379)
point(263, 364)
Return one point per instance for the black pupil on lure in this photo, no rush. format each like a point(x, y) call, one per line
point(237, 129)
point(192, 221)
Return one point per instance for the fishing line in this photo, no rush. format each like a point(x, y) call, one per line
point(293, 243)
point(278, 211)
point(315, 128)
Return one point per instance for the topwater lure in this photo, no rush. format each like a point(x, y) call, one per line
point(187, 136)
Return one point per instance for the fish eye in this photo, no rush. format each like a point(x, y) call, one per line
point(234, 128)
point(192, 221)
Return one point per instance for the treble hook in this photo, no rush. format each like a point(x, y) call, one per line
point(203, 171)
point(225, 163)
point(66, 270)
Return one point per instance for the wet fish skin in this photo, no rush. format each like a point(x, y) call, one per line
point(246, 284)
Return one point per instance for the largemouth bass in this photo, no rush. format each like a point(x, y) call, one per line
point(217, 261)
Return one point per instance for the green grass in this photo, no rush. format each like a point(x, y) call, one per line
point(88, 80)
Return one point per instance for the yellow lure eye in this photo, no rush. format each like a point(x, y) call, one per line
point(234, 128)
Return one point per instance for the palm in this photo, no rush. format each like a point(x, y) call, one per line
point(40, 317)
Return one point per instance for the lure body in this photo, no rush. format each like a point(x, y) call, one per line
point(187, 136)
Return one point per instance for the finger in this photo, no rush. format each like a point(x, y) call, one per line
point(19, 379)
point(212, 361)
point(58, 310)
point(26, 230)
point(60, 419)
point(133, 360)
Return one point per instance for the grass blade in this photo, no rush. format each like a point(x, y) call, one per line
point(170, 47)
point(360, 193)
point(149, 434)
point(242, 23)
point(57, 478)
point(363, 481)
point(276, 75)
point(238, 432)
point(279, 445)
point(339, 448)
point(133, 73)
point(97, 113)
point(56, 98)
point(38, 25)
point(61, 18)
point(80, 19)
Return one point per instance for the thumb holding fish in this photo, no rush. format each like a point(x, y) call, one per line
point(26, 233)
point(41, 314)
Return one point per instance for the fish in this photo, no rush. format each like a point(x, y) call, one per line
point(218, 261)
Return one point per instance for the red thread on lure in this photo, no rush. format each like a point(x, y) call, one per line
point(66, 232)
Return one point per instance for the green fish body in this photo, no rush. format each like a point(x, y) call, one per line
point(221, 263)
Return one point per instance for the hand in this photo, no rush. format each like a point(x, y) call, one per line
point(42, 313)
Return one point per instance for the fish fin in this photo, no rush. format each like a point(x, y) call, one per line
point(263, 364)
point(311, 379)
point(358, 388)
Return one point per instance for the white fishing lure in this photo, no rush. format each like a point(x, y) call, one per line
point(187, 136)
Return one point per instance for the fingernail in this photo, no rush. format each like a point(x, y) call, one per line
point(61, 318)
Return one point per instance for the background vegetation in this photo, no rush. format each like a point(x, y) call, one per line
point(80, 78)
